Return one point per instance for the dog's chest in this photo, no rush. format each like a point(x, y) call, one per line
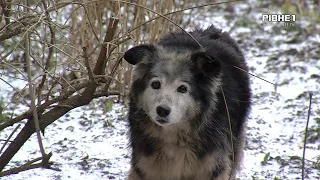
point(170, 160)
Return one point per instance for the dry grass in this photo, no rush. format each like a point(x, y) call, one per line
point(132, 28)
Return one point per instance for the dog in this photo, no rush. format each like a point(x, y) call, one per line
point(188, 104)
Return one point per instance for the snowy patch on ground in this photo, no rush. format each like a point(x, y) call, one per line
point(87, 143)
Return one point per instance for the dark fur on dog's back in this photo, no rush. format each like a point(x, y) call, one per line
point(197, 146)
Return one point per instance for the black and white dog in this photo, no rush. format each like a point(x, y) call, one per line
point(188, 107)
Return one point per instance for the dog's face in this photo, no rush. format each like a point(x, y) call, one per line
point(167, 100)
point(165, 82)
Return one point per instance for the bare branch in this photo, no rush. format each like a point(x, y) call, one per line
point(29, 165)
point(254, 75)
point(15, 91)
point(113, 72)
point(101, 62)
point(51, 48)
point(8, 139)
point(86, 61)
point(306, 135)
point(40, 108)
point(17, 27)
point(31, 90)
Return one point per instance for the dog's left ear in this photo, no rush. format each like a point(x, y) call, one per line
point(206, 64)
point(139, 53)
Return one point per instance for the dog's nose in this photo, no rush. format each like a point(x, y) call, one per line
point(163, 111)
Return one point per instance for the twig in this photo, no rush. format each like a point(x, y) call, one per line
point(8, 139)
point(230, 127)
point(15, 91)
point(87, 64)
point(29, 165)
point(20, 169)
point(31, 90)
point(90, 23)
point(64, 95)
point(254, 75)
point(5, 140)
point(306, 134)
point(51, 48)
point(32, 161)
point(53, 85)
point(115, 45)
point(113, 72)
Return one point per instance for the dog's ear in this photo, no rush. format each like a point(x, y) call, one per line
point(137, 54)
point(206, 64)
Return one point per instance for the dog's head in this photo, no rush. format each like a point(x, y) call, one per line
point(170, 84)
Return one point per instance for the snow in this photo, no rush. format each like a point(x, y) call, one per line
point(101, 151)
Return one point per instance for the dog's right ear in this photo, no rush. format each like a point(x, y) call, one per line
point(137, 54)
point(208, 65)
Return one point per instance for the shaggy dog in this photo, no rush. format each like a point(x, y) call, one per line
point(189, 100)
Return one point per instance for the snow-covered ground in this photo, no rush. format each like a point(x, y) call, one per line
point(90, 143)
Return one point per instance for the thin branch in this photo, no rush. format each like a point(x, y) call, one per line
point(95, 34)
point(32, 161)
point(5, 140)
point(50, 54)
point(230, 126)
point(31, 90)
point(15, 91)
point(254, 75)
point(113, 72)
point(8, 139)
point(306, 134)
point(29, 165)
point(86, 62)
point(16, 27)
point(53, 85)
point(40, 108)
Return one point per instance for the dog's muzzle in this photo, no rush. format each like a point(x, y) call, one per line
point(163, 112)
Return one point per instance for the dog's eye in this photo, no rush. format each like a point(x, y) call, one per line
point(182, 89)
point(156, 85)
